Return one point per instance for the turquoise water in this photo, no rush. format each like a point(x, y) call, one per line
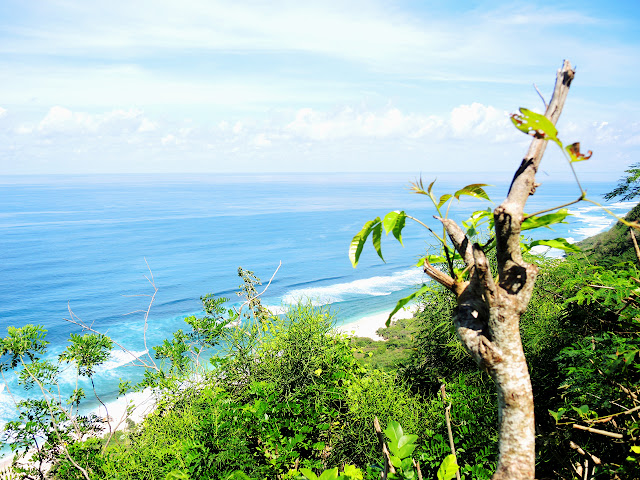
point(83, 244)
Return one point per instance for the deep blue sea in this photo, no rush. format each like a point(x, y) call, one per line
point(86, 243)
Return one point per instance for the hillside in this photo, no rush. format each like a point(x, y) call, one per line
point(614, 245)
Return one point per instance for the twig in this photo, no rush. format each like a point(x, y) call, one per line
point(635, 244)
point(416, 465)
point(146, 315)
point(554, 208)
point(599, 432)
point(449, 432)
point(265, 289)
point(543, 100)
point(388, 466)
point(575, 446)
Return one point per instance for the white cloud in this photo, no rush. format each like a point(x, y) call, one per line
point(479, 120)
point(61, 120)
point(125, 140)
point(3, 112)
point(475, 120)
point(147, 126)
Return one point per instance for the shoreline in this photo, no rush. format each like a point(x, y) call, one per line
point(368, 325)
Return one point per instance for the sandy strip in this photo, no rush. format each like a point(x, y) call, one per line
point(369, 325)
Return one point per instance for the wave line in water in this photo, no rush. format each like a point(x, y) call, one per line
point(339, 292)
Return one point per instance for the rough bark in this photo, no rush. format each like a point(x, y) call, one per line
point(487, 317)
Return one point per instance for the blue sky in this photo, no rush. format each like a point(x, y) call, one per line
point(285, 86)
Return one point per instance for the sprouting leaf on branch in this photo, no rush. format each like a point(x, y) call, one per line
point(473, 190)
point(433, 259)
point(394, 222)
point(574, 152)
point(403, 301)
point(355, 248)
point(443, 199)
point(448, 468)
point(559, 243)
point(418, 187)
point(545, 220)
point(535, 124)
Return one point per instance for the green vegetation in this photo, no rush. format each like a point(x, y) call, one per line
point(613, 246)
point(289, 397)
point(249, 395)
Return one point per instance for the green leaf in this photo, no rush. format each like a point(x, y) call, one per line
point(376, 238)
point(393, 432)
point(394, 222)
point(432, 259)
point(330, 474)
point(395, 461)
point(473, 190)
point(403, 301)
point(557, 415)
point(448, 468)
point(559, 243)
point(635, 448)
point(353, 472)
point(535, 124)
point(443, 199)
point(582, 410)
point(355, 249)
point(308, 473)
point(545, 220)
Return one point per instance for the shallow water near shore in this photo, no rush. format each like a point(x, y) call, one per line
point(85, 244)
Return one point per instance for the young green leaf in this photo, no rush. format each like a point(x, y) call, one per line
point(443, 199)
point(308, 473)
point(376, 238)
point(353, 472)
point(448, 468)
point(394, 222)
point(473, 190)
point(559, 243)
point(403, 301)
point(535, 124)
point(331, 474)
point(557, 415)
point(545, 220)
point(355, 248)
point(433, 259)
point(393, 432)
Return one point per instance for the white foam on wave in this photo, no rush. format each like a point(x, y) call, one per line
point(594, 220)
point(119, 358)
point(134, 406)
point(373, 286)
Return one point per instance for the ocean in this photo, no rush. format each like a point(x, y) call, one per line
point(84, 244)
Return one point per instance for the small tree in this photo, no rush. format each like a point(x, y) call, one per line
point(628, 187)
point(487, 317)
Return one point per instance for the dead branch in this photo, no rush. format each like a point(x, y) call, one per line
point(388, 466)
point(599, 432)
point(448, 420)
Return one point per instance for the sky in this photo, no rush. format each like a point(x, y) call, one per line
point(158, 86)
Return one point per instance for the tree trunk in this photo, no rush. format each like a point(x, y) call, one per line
point(487, 318)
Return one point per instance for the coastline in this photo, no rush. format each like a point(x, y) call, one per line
point(368, 325)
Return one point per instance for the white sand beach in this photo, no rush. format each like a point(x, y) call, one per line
point(369, 325)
